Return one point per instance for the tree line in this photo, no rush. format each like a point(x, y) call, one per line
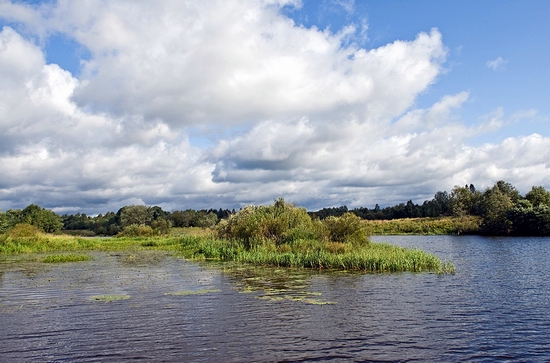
point(503, 210)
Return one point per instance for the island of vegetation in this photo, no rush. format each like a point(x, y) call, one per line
point(277, 235)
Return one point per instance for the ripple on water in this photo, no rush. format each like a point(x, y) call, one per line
point(495, 308)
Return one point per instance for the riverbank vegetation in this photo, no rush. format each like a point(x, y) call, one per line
point(425, 226)
point(498, 210)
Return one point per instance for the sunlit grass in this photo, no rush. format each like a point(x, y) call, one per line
point(425, 226)
point(370, 257)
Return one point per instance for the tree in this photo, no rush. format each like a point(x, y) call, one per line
point(134, 214)
point(538, 196)
point(529, 220)
point(509, 190)
point(204, 219)
point(42, 218)
point(495, 204)
point(464, 201)
point(443, 202)
point(4, 225)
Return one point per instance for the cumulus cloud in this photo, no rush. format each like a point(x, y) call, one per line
point(232, 61)
point(497, 64)
point(302, 113)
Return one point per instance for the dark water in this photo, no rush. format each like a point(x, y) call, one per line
point(495, 308)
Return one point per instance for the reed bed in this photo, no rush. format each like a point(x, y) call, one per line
point(371, 257)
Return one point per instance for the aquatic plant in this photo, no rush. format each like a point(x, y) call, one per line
point(193, 292)
point(371, 257)
point(109, 298)
point(66, 258)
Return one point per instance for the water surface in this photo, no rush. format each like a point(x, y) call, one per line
point(495, 308)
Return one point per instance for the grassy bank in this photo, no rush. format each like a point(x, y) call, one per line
point(425, 226)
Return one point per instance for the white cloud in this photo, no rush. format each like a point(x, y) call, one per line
point(203, 62)
point(347, 5)
point(497, 64)
point(301, 114)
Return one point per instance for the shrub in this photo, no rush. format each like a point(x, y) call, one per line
point(347, 228)
point(23, 230)
point(135, 230)
point(161, 226)
point(260, 225)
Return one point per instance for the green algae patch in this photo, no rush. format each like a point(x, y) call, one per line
point(66, 258)
point(304, 297)
point(193, 292)
point(109, 298)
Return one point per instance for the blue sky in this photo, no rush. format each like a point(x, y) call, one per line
point(476, 32)
point(229, 103)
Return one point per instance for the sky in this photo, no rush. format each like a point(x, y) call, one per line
point(225, 103)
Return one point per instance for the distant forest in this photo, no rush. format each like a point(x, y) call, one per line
point(504, 211)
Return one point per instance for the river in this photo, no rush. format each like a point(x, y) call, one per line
point(152, 307)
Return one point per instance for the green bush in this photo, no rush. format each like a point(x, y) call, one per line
point(260, 225)
point(135, 230)
point(23, 230)
point(346, 228)
point(283, 223)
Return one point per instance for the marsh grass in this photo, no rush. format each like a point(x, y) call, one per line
point(201, 245)
point(425, 226)
point(368, 257)
point(43, 243)
point(373, 258)
point(66, 258)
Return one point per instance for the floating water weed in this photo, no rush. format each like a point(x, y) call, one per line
point(193, 292)
point(303, 298)
point(66, 258)
point(109, 298)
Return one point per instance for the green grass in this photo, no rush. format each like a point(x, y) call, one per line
point(425, 226)
point(369, 257)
